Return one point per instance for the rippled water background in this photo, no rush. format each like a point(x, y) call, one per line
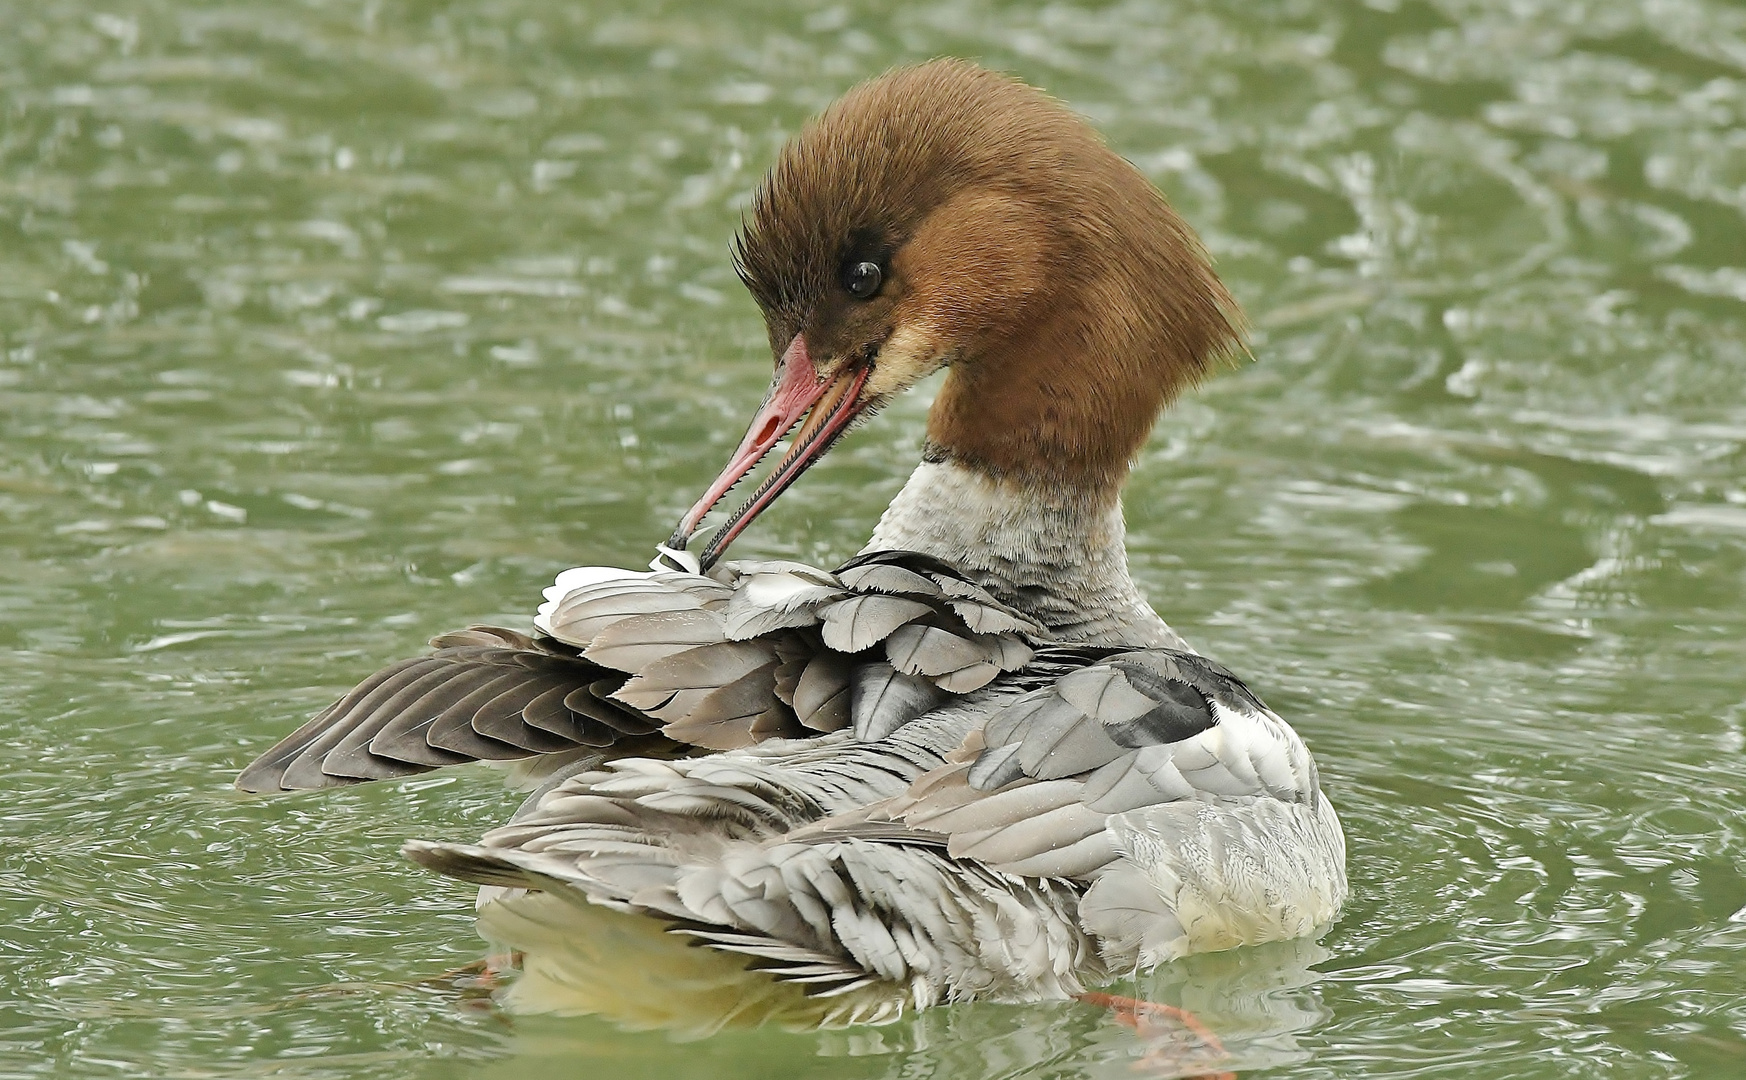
point(329, 325)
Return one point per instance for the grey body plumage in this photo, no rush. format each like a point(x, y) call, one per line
point(912, 772)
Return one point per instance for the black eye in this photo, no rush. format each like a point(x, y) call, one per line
point(862, 279)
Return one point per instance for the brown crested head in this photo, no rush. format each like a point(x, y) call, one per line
point(945, 215)
point(1071, 302)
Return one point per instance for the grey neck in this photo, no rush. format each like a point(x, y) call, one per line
point(1058, 556)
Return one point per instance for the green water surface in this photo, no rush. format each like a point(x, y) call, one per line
point(326, 325)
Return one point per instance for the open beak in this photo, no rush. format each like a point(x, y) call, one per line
point(797, 393)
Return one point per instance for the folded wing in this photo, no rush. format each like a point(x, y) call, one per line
point(1192, 813)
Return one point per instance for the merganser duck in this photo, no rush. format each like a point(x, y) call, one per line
point(971, 763)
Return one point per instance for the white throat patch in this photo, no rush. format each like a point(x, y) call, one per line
point(1060, 557)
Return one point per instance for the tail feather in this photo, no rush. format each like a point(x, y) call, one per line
point(872, 916)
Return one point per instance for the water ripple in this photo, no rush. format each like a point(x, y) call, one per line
point(323, 327)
